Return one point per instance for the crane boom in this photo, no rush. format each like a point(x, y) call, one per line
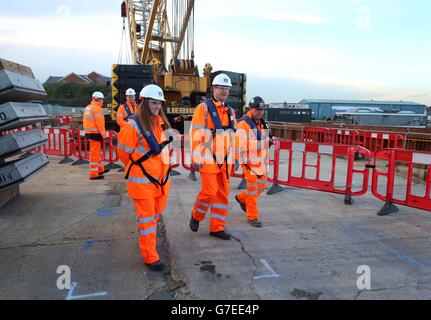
point(151, 29)
point(162, 52)
point(149, 33)
point(186, 21)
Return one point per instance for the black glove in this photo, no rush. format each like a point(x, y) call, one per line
point(271, 143)
point(196, 167)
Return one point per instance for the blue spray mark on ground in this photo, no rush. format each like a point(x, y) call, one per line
point(107, 211)
point(400, 255)
point(364, 231)
point(410, 260)
point(89, 244)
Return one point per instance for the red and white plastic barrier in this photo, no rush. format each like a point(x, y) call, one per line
point(375, 141)
point(58, 143)
point(8, 132)
point(370, 140)
point(81, 147)
point(320, 135)
point(303, 174)
point(63, 120)
point(402, 194)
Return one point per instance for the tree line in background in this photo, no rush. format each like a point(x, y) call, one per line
point(75, 94)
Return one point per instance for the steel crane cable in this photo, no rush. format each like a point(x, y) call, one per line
point(123, 45)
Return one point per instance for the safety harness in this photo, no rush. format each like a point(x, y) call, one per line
point(212, 110)
point(253, 126)
point(215, 117)
point(156, 149)
point(255, 129)
point(128, 111)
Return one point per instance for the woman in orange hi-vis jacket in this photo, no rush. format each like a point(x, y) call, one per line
point(125, 111)
point(141, 145)
point(94, 127)
point(212, 157)
point(254, 137)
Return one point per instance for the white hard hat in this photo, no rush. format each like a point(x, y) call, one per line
point(222, 80)
point(130, 92)
point(152, 92)
point(98, 95)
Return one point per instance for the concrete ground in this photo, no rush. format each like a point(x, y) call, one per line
point(310, 247)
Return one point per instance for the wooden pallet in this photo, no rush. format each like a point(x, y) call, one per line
point(9, 194)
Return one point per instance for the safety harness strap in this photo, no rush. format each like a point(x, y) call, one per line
point(128, 111)
point(215, 117)
point(156, 149)
point(253, 126)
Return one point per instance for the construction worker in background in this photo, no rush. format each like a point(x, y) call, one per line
point(94, 126)
point(128, 109)
point(211, 145)
point(254, 141)
point(192, 174)
point(141, 147)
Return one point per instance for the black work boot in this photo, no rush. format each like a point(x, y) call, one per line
point(98, 178)
point(194, 224)
point(242, 205)
point(255, 223)
point(156, 266)
point(106, 171)
point(221, 235)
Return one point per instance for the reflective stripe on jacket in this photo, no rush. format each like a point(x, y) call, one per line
point(122, 113)
point(132, 143)
point(94, 119)
point(200, 135)
point(254, 153)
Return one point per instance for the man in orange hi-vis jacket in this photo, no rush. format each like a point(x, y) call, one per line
point(125, 111)
point(211, 135)
point(94, 126)
point(254, 137)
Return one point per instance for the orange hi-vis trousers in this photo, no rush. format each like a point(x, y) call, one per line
point(148, 212)
point(255, 186)
point(213, 197)
point(96, 166)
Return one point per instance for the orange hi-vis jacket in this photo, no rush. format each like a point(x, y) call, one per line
point(253, 153)
point(94, 119)
point(122, 113)
point(203, 150)
point(131, 143)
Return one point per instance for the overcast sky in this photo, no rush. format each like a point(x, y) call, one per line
point(290, 49)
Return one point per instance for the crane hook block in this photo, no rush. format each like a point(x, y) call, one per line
point(124, 10)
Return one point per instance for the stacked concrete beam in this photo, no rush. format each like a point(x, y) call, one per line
point(18, 160)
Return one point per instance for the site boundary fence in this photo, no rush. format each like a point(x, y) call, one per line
point(371, 140)
point(68, 143)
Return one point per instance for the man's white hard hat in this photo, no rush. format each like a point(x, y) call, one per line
point(98, 95)
point(130, 92)
point(222, 80)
